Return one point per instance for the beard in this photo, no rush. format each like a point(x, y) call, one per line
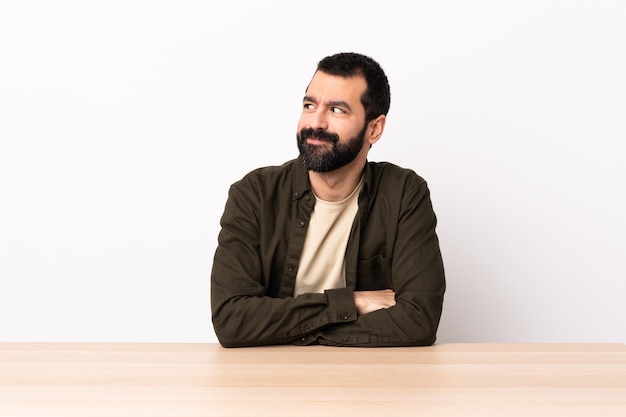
point(320, 158)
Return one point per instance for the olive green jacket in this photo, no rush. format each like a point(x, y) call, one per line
point(392, 244)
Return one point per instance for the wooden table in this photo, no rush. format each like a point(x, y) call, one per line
point(107, 379)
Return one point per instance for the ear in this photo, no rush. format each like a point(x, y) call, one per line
point(375, 129)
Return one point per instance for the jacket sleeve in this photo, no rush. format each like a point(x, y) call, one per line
point(242, 313)
point(417, 277)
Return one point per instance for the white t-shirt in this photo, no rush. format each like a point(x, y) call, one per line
point(322, 260)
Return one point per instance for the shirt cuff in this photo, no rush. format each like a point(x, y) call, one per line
point(341, 305)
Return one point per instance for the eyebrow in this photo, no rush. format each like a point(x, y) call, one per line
point(334, 103)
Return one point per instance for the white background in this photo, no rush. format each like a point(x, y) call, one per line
point(122, 124)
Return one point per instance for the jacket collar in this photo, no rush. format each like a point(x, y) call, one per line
point(302, 185)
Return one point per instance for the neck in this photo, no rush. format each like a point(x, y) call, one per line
point(338, 184)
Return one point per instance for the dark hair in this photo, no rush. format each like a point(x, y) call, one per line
point(377, 97)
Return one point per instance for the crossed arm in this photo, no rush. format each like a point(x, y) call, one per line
point(369, 301)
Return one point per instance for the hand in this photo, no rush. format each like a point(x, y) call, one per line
point(368, 301)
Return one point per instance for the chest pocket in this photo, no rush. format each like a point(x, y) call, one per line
point(374, 274)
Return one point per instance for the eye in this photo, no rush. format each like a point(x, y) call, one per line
point(337, 110)
point(308, 106)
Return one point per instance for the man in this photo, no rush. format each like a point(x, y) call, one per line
point(330, 248)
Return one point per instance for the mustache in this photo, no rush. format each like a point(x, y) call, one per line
point(308, 133)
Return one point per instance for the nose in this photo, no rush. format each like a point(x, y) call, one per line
point(318, 120)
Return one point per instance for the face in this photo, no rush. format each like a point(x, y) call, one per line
point(332, 129)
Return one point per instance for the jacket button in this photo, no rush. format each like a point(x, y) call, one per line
point(344, 316)
point(301, 224)
point(290, 267)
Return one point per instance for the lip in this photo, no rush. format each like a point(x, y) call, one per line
point(317, 141)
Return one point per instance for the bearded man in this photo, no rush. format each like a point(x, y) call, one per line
point(330, 248)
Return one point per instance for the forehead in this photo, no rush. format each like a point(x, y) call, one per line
point(325, 87)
